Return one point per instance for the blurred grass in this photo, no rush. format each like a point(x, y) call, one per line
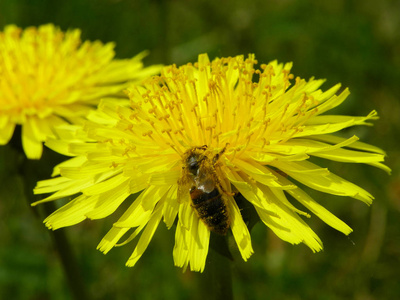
point(352, 42)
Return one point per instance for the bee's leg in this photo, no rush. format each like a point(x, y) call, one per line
point(204, 147)
point(225, 192)
point(218, 155)
point(220, 186)
point(214, 162)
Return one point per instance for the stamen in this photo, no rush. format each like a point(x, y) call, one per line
point(148, 133)
point(114, 165)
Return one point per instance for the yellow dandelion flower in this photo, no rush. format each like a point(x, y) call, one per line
point(196, 138)
point(49, 78)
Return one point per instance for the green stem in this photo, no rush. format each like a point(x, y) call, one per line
point(32, 171)
point(217, 277)
point(67, 258)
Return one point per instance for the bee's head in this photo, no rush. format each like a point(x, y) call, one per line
point(193, 164)
point(193, 158)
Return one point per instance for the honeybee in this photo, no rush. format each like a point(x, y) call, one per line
point(199, 177)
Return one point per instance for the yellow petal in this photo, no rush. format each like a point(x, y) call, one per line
point(145, 238)
point(334, 101)
point(140, 210)
point(239, 230)
point(180, 252)
point(288, 226)
point(185, 213)
point(351, 156)
point(320, 211)
point(67, 189)
point(105, 186)
point(169, 177)
point(322, 180)
point(199, 236)
point(247, 188)
point(356, 145)
point(110, 200)
point(33, 147)
point(305, 145)
point(6, 132)
point(191, 244)
point(51, 185)
point(171, 207)
point(82, 207)
point(72, 162)
point(316, 208)
point(329, 124)
point(86, 170)
point(111, 238)
point(260, 173)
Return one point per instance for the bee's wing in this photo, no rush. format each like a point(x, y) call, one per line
point(207, 179)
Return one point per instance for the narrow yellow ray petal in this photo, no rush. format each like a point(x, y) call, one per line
point(111, 238)
point(324, 181)
point(145, 238)
point(239, 230)
point(291, 227)
point(171, 207)
point(141, 209)
point(199, 237)
point(6, 132)
point(316, 208)
point(356, 145)
point(32, 145)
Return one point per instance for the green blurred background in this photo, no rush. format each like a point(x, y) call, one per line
point(353, 42)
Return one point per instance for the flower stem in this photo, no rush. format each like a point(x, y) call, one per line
point(32, 171)
point(67, 258)
point(217, 281)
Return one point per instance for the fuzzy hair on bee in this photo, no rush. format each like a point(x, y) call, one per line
point(200, 179)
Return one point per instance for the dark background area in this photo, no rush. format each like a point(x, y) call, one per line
point(353, 42)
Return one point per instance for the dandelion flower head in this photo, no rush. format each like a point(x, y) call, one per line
point(49, 77)
point(257, 129)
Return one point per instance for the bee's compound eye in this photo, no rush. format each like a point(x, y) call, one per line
point(193, 168)
point(193, 165)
